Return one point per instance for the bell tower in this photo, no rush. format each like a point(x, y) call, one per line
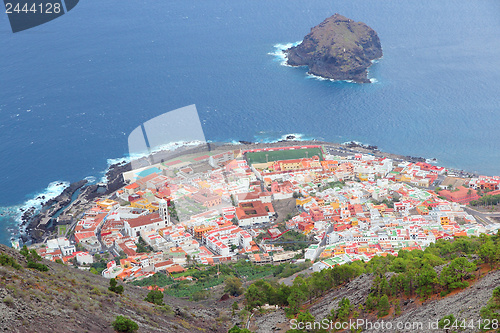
point(163, 210)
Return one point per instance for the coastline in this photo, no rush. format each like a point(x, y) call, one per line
point(55, 211)
point(281, 55)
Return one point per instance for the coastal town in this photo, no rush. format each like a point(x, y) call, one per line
point(320, 203)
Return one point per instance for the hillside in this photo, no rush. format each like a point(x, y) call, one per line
point(416, 291)
point(65, 299)
point(338, 48)
point(465, 304)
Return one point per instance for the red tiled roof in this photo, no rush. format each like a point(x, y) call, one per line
point(253, 208)
point(175, 269)
point(144, 220)
point(164, 263)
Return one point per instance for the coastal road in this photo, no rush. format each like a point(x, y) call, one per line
point(482, 216)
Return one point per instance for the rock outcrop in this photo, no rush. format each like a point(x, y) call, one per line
point(338, 48)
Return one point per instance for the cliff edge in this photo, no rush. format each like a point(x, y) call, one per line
point(338, 48)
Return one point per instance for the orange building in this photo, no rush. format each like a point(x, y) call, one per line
point(461, 195)
point(199, 231)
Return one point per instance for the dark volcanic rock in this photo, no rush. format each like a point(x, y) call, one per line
point(38, 223)
point(49, 209)
point(339, 49)
point(115, 176)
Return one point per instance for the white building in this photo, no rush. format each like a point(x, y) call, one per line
point(61, 243)
point(84, 258)
point(153, 221)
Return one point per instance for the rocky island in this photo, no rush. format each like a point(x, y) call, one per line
point(338, 48)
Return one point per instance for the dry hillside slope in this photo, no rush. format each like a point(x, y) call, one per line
point(65, 299)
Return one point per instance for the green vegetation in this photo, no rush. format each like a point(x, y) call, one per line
point(114, 288)
point(80, 295)
point(286, 270)
point(233, 286)
point(33, 257)
point(38, 266)
point(305, 317)
point(491, 310)
point(236, 329)
point(487, 200)
point(124, 324)
point(235, 307)
point(61, 230)
point(260, 157)
point(200, 295)
point(142, 247)
point(446, 321)
point(97, 267)
point(172, 211)
point(206, 277)
point(414, 275)
point(159, 279)
point(187, 207)
point(383, 306)
point(297, 241)
point(343, 312)
point(6, 260)
point(387, 202)
point(155, 297)
point(454, 275)
point(339, 184)
point(9, 300)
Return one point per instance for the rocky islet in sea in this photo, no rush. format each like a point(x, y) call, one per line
point(338, 49)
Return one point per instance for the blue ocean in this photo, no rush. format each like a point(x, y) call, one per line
point(73, 89)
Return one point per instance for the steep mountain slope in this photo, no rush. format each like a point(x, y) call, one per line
point(464, 304)
point(65, 299)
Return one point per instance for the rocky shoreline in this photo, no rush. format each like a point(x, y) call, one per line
point(38, 224)
point(31, 219)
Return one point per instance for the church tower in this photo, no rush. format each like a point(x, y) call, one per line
point(163, 210)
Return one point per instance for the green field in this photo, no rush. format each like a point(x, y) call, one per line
point(61, 230)
point(278, 155)
point(207, 277)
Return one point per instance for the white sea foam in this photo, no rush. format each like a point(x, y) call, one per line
point(348, 142)
point(296, 137)
point(372, 79)
point(320, 78)
point(279, 52)
point(90, 179)
point(36, 202)
point(312, 76)
point(281, 56)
